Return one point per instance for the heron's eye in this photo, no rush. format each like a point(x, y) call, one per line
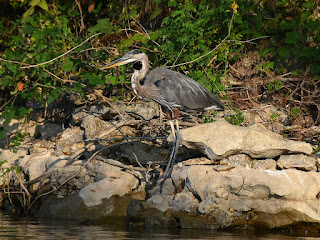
point(137, 65)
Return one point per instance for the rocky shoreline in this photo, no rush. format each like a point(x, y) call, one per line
point(225, 176)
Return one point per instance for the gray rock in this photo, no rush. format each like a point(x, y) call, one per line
point(94, 126)
point(184, 201)
point(285, 184)
point(221, 139)
point(134, 150)
point(250, 198)
point(70, 141)
point(119, 184)
point(237, 161)
point(15, 126)
point(265, 164)
point(49, 130)
point(146, 110)
point(35, 165)
point(101, 170)
point(95, 202)
point(298, 161)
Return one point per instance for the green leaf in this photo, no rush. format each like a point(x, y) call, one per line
point(284, 52)
point(94, 79)
point(292, 37)
point(267, 65)
point(68, 66)
point(103, 26)
point(318, 36)
point(43, 4)
point(304, 16)
point(155, 14)
point(112, 79)
point(28, 13)
point(315, 69)
point(34, 2)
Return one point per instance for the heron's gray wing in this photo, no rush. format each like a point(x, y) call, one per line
point(183, 91)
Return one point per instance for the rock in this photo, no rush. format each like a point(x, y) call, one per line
point(220, 139)
point(23, 126)
point(9, 159)
point(94, 126)
point(49, 130)
point(133, 150)
point(120, 184)
point(74, 174)
point(145, 110)
point(265, 164)
point(161, 200)
point(101, 170)
point(237, 161)
point(70, 141)
point(95, 202)
point(184, 201)
point(266, 113)
point(249, 198)
point(298, 161)
point(197, 161)
point(285, 184)
point(35, 165)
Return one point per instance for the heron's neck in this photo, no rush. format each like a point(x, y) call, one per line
point(139, 75)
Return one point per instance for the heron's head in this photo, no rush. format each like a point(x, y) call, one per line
point(132, 56)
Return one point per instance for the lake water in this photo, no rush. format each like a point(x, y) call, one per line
point(24, 228)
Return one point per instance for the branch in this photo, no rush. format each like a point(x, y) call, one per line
point(119, 164)
point(39, 64)
point(105, 99)
point(194, 60)
point(224, 40)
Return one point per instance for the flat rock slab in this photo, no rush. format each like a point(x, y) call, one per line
point(240, 197)
point(97, 201)
point(220, 139)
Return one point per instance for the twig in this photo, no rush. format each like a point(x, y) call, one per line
point(179, 54)
point(39, 64)
point(105, 99)
point(119, 164)
point(5, 60)
point(125, 138)
point(82, 26)
point(194, 60)
point(120, 124)
point(43, 176)
point(68, 179)
point(224, 40)
point(248, 41)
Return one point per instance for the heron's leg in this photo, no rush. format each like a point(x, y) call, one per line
point(172, 128)
point(175, 113)
point(177, 124)
point(169, 117)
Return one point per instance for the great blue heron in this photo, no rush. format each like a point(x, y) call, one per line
point(174, 91)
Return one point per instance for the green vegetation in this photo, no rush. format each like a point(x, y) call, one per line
point(52, 48)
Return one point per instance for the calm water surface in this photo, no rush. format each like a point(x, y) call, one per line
point(116, 229)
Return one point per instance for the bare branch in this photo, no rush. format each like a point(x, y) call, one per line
point(39, 64)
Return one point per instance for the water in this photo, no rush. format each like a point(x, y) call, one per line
point(61, 229)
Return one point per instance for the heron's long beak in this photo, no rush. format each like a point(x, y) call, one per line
point(118, 62)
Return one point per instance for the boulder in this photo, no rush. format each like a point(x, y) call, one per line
point(94, 126)
point(49, 130)
point(240, 197)
point(298, 161)
point(97, 201)
point(135, 150)
point(70, 141)
point(220, 139)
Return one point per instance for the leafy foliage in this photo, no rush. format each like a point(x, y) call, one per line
point(37, 63)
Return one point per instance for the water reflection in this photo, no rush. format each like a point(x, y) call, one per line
point(116, 229)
